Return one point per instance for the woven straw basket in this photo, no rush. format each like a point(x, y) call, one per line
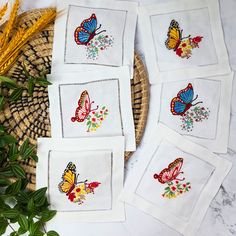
point(28, 117)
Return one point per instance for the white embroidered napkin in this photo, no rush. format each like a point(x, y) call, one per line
point(94, 103)
point(183, 39)
point(176, 181)
point(198, 109)
point(91, 34)
point(83, 177)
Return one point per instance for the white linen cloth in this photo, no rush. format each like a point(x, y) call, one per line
point(112, 44)
point(207, 121)
point(100, 161)
point(195, 19)
point(181, 198)
point(109, 111)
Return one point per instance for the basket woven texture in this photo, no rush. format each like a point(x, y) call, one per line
point(29, 117)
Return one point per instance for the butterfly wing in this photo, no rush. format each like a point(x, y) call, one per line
point(177, 106)
point(90, 24)
point(175, 167)
point(84, 106)
point(68, 178)
point(166, 175)
point(186, 94)
point(81, 36)
point(174, 36)
point(83, 109)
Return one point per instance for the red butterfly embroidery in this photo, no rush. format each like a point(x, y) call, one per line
point(171, 173)
point(84, 107)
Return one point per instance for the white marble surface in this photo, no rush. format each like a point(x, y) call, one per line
point(220, 219)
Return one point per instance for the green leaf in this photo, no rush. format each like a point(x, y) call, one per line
point(2, 102)
point(18, 170)
point(42, 82)
point(34, 157)
point(34, 227)
point(52, 233)
point(13, 152)
point(13, 188)
point(41, 201)
point(10, 85)
point(3, 225)
point(2, 129)
point(38, 233)
point(16, 94)
point(22, 197)
point(7, 172)
point(23, 222)
point(28, 152)
point(48, 215)
point(4, 182)
point(21, 231)
point(7, 139)
point(10, 214)
point(31, 86)
point(7, 79)
point(24, 146)
point(31, 205)
point(40, 193)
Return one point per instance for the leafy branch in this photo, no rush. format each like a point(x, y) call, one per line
point(18, 205)
point(16, 90)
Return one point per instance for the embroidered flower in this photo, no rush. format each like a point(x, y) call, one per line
point(196, 114)
point(71, 196)
point(173, 188)
point(95, 120)
point(100, 43)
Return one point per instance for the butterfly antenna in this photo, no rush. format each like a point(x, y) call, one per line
point(195, 98)
point(180, 179)
point(94, 108)
point(196, 103)
point(99, 27)
point(100, 32)
point(186, 37)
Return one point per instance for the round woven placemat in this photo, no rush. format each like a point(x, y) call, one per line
point(28, 117)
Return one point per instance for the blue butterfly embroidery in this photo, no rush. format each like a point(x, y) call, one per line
point(87, 30)
point(183, 101)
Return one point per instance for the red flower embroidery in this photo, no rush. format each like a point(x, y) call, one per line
point(71, 197)
point(179, 52)
point(197, 39)
point(173, 188)
point(94, 119)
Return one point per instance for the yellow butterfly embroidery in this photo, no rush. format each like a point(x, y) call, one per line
point(181, 45)
point(75, 191)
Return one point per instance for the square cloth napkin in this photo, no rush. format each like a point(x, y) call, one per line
point(93, 103)
point(176, 181)
point(207, 119)
point(183, 39)
point(84, 177)
point(90, 34)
